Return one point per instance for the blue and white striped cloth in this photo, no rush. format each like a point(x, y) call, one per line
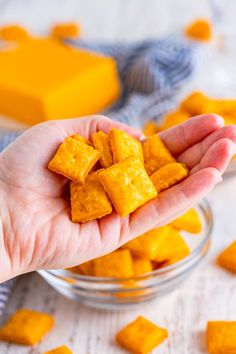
point(151, 73)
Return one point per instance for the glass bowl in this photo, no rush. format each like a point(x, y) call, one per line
point(109, 293)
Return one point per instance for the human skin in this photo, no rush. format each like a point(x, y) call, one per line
point(35, 229)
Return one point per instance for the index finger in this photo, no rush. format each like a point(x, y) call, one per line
point(194, 130)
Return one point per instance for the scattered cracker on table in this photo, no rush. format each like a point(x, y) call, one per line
point(26, 327)
point(102, 144)
point(155, 154)
point(221, 337)
point(118, 264)
point(227, 259)
point(74, 159)
point(13, 33)
point(89, 201)
point(199, 30)
point(66, 30)
point(123, 145)
point(189, 222)
point(169, 175)
point(127, 185)
point(60, 350)
point(141, 336)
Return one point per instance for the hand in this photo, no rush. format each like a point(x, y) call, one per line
point(36, 230)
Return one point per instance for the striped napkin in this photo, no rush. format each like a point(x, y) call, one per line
point(151, 73)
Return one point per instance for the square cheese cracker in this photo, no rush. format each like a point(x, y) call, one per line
point(74, 159)
point(127, 185)
point(89, 201)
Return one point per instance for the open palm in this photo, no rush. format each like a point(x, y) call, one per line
point(36, 228)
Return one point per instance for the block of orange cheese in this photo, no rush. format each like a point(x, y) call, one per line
point(141, 336)
point(43, 79)
point(26, 327)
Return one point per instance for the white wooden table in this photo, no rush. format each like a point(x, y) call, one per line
point(210, 292)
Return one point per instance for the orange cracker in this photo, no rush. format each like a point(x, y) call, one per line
point(150, 128)
point(123, 145)
point(172, 248)
point(13, 33)
point(84, 268)
point(220, 337)
point(89, 201)
point(141, 336)
point(190, 222)
point(168, 175)
point(195, 103)
point(66, 30)
point(141, 265)
point(60, 350)
point(102, 144)
point(155, 154)
point(148, 244)
point(199, 30)
point(74, 159)
point(118, 264)
point(26, 327)
point(227, 259)
point(127, 185)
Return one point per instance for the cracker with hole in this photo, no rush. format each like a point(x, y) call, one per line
point(89, 200)
point(127, 185)
point(141, 336)
point(74, 159)
point(124, 145)
point(155, 154)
